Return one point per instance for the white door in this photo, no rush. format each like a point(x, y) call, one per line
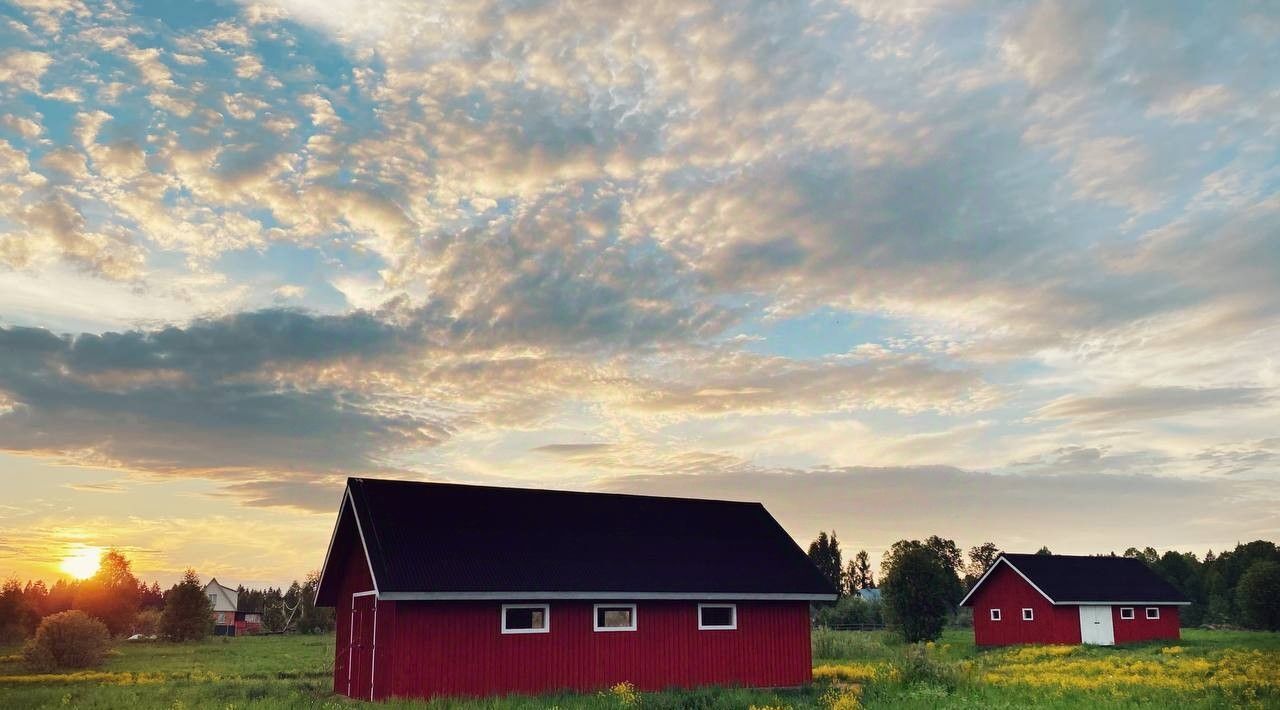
point(1095, 626)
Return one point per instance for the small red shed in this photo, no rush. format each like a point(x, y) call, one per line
point(1072, 599)
point(453, 590)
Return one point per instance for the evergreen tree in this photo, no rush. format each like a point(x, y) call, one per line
point(188, 615)
point(824, 551)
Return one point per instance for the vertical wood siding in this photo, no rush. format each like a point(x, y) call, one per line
point(430, 649)
point(1140, 628)
point(355, 578)
point(1010, 593)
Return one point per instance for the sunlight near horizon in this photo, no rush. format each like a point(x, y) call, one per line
point(83, 563)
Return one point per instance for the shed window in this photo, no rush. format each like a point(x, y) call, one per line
point(1028, 614)
point(717, 616)
point(995, 614)
point(1153, 612)
point(1126, 612)
point(615, 617)
point(526, 618)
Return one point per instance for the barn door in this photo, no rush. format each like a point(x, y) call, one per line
point(360, 668)
point(1095, 626)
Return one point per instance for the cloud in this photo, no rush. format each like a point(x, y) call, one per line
point(23, 68)
point(871, 507)
point(1138, 403)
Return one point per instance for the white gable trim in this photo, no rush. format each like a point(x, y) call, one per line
point(991, 569)
point(229, 595)
point(347, 499)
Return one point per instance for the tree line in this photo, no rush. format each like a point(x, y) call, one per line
point(923, 582)
point(125, 605)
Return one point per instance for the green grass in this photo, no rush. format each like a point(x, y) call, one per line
point(1209, 669)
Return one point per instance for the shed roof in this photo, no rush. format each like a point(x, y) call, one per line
point(449, 541)
point(1078, 579)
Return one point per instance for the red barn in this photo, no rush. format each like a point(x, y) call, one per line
point(445, 590)
point(1072, 599)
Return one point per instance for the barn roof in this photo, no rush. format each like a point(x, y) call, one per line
point(448, 541)
point(1077, 579)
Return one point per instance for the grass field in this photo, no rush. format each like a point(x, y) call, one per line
point(1207, 669)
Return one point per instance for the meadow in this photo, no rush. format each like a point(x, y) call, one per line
point(1206, 669)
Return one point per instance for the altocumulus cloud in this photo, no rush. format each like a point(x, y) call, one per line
point(685, 233)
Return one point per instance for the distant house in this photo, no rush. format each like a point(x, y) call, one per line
point(1070, 599)
point(451, 590)
point(228, 620)
point(870, 596)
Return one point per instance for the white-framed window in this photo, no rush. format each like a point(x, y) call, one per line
point(995, 614)
point(614, 617)
point(1153, 612)
point(213, 598)
point(717, 617)
point(526, 618)
point(1028, 614)
point(1126, 612)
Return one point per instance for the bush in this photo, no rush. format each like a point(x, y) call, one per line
point(916, 667)
point(147, 622)
point(71, 639)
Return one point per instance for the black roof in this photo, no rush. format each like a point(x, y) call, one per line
point(1067, 579)
point(447, 538)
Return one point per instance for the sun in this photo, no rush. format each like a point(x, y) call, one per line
point(82, 563)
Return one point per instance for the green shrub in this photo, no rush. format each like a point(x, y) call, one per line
point(147, 622)
point(71, 639)
point(916, 667)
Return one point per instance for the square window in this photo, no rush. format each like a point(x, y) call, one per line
point(713, 617)
point(1028, 614)
point(995, 614)
point(526, 618)
point(1153, 612)
point(1126, 612)
point(615, 617)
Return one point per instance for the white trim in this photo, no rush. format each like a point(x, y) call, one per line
point(1050, 599)
point(996, 614)
point(1028, 614)
point(732, 626)
point(351, 640)
point(546, 619)
point(1150, 609)
point(643, 596)
point(595, 617)
point(1126, 603)
point(359, 529)
point(374, 592)
point(991, 569)
point(373, 652)
point(333, 538)
point(1132, 614)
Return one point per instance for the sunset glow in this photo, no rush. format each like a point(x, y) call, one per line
point(82, 563)
point(990, 271)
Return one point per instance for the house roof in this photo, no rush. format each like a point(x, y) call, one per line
point(1077, 579)
point(229, 598)
point(448, 541)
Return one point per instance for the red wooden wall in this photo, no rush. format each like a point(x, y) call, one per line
point(355, 578)
point(1140, 628)
point(456, 648)
point(1009, 592)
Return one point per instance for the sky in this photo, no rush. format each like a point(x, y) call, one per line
point(992, 271)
